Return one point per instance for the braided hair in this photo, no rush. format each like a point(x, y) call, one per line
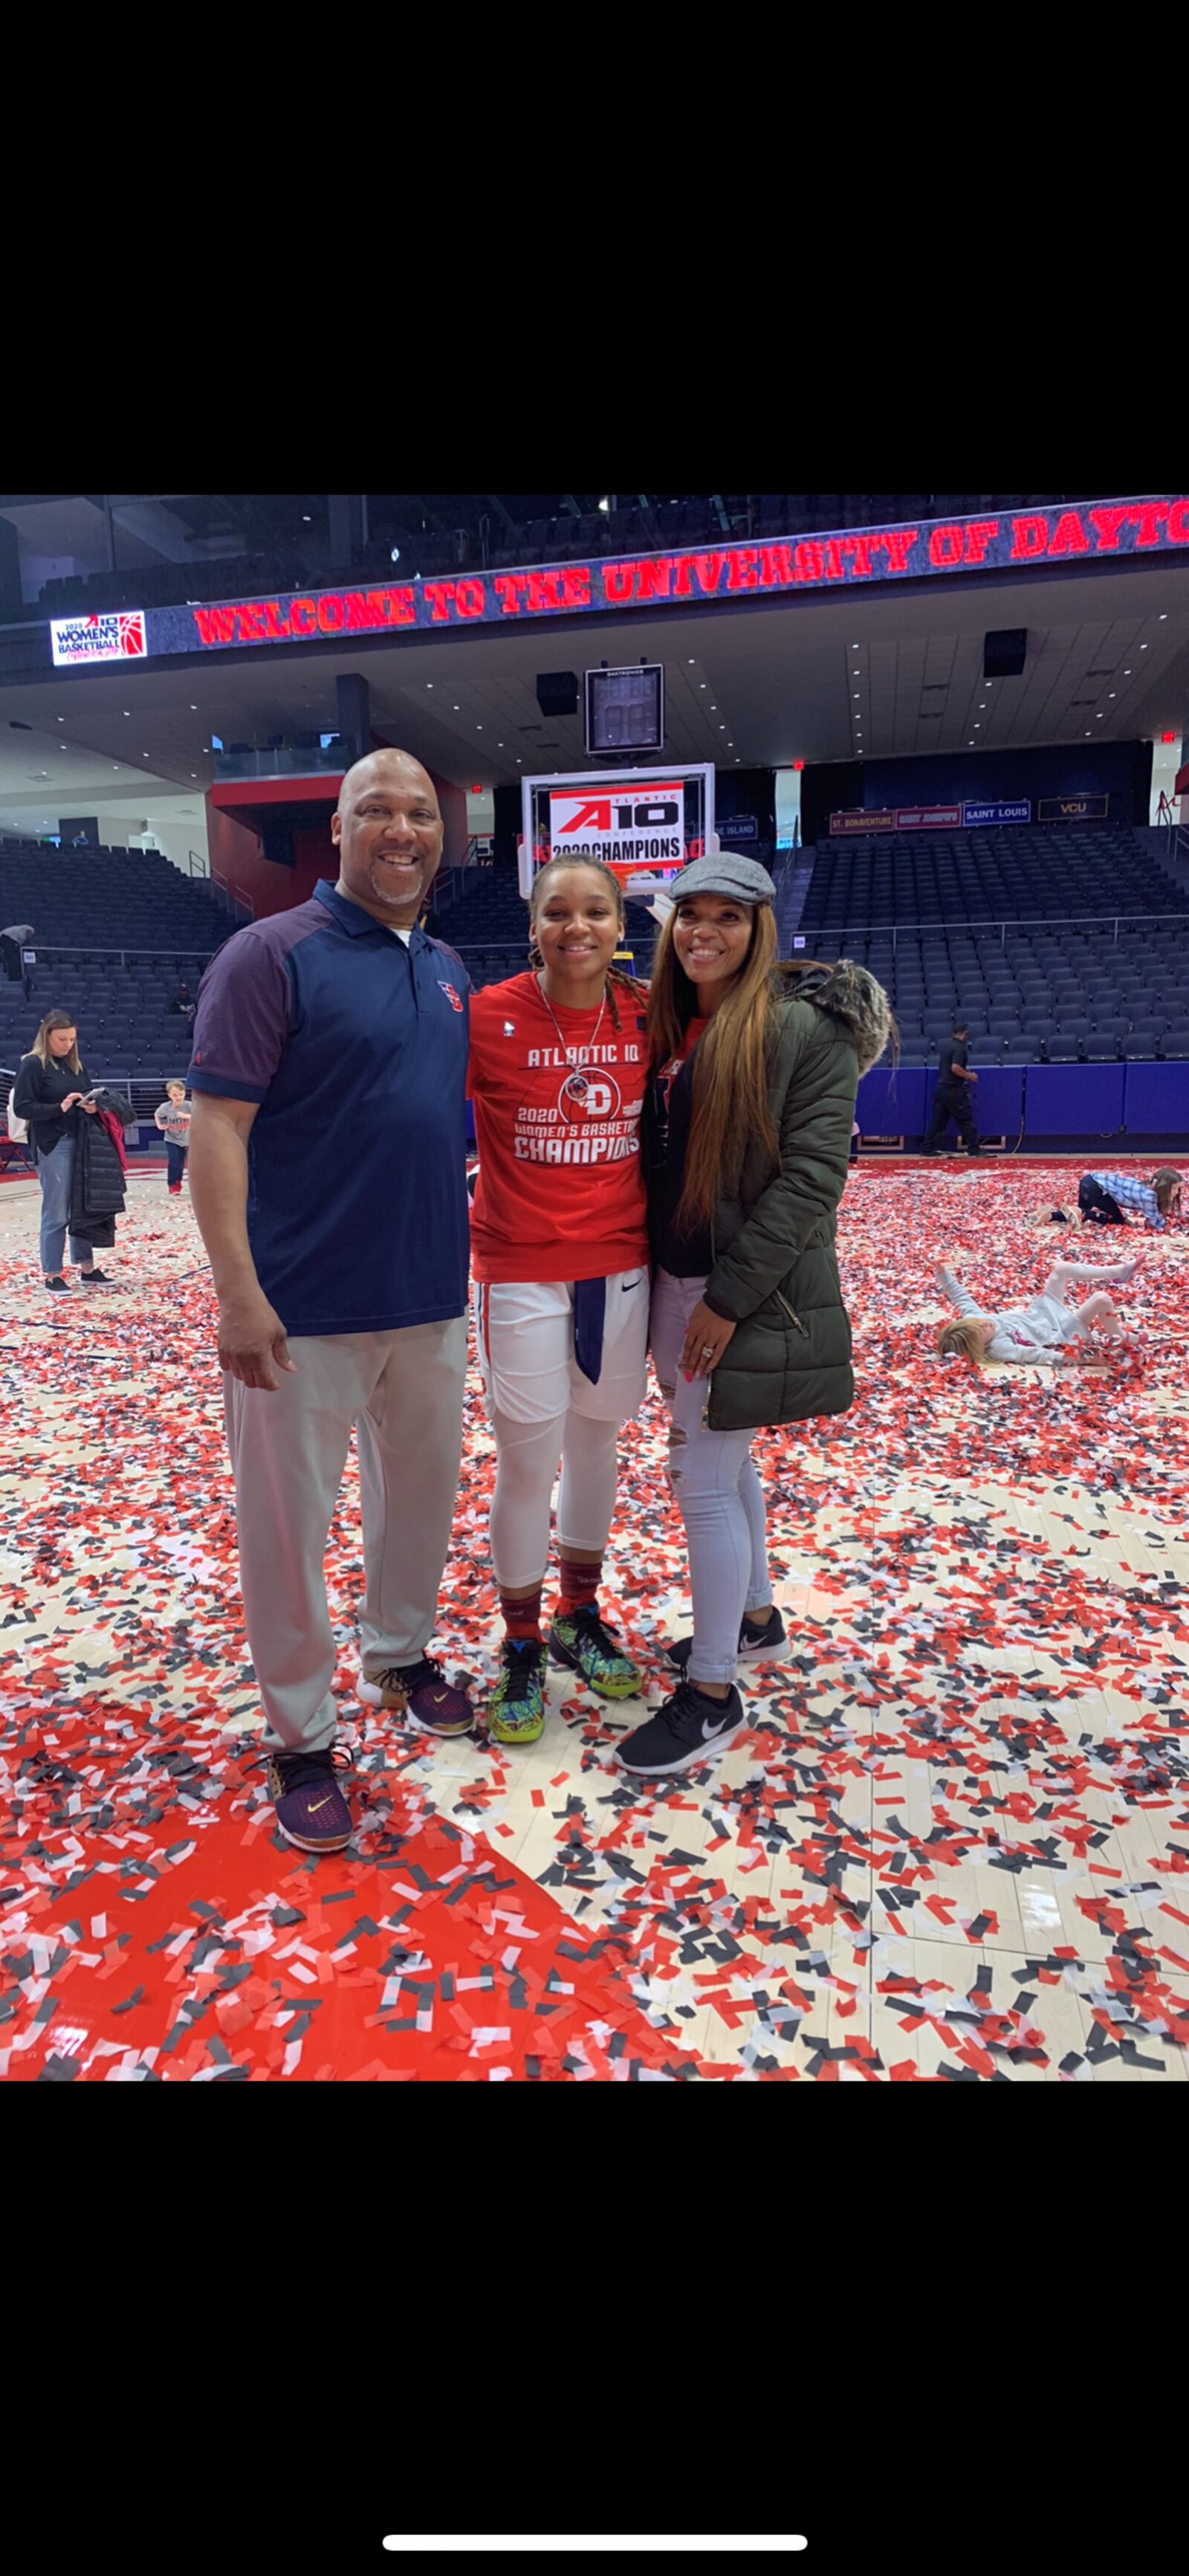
point(616, 982)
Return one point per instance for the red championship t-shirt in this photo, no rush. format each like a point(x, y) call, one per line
point(560, 1192)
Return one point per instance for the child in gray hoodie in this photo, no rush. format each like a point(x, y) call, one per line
point(1040, 1330)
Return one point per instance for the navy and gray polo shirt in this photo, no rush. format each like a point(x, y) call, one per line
point(355, 1046)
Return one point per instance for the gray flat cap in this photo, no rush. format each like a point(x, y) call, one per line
point(724, 873)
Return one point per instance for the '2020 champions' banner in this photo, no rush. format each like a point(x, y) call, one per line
point(637, 831)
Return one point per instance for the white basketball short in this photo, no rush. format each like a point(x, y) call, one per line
point(525, 1338)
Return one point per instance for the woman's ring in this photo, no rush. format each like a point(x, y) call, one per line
point(707, 1350)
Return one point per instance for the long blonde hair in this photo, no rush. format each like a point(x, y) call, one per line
point(57, 1020)
point(963, 1341)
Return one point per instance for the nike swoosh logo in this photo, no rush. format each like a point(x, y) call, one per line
point(439, 1696)
point(710, 1730)
point(628, 1284)
point(322, 1802)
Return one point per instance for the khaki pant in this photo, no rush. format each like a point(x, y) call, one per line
point(403, 1392)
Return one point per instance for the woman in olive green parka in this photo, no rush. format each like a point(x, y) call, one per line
point(746, 1142)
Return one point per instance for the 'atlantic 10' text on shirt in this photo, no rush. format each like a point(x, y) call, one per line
point(560, 1193)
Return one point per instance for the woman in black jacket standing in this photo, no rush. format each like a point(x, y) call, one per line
point(49, 1095)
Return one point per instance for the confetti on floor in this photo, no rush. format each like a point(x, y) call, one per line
point(954, 1843)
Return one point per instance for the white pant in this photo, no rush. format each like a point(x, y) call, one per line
point(403, 1393)
point(1085, 1274)
point(525, 1338)
point(543, 1410)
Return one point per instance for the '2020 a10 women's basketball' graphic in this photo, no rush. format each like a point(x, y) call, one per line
point(586, 1119)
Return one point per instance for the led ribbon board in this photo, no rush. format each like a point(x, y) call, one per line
point(1017, 541)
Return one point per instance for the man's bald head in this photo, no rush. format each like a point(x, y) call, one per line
point(387, 761)
point(388, 830)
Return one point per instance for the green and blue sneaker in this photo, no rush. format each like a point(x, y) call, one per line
point(516, 1710)
point(582, 1640)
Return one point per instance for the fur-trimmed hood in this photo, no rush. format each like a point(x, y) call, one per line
point(851, 995)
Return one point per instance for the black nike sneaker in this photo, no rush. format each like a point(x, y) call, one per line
point(756, 1645)
point(689, 1729)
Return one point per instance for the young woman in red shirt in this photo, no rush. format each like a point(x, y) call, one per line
point(559, 1259)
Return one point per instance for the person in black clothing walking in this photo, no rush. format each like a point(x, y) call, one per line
point(951, 1099)
point(49, 1095)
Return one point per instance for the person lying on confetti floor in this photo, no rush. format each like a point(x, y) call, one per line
point(557, 1074)
point(747, 1144)
point(1040, 1330)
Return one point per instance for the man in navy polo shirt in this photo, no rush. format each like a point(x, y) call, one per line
point(328, 1177)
